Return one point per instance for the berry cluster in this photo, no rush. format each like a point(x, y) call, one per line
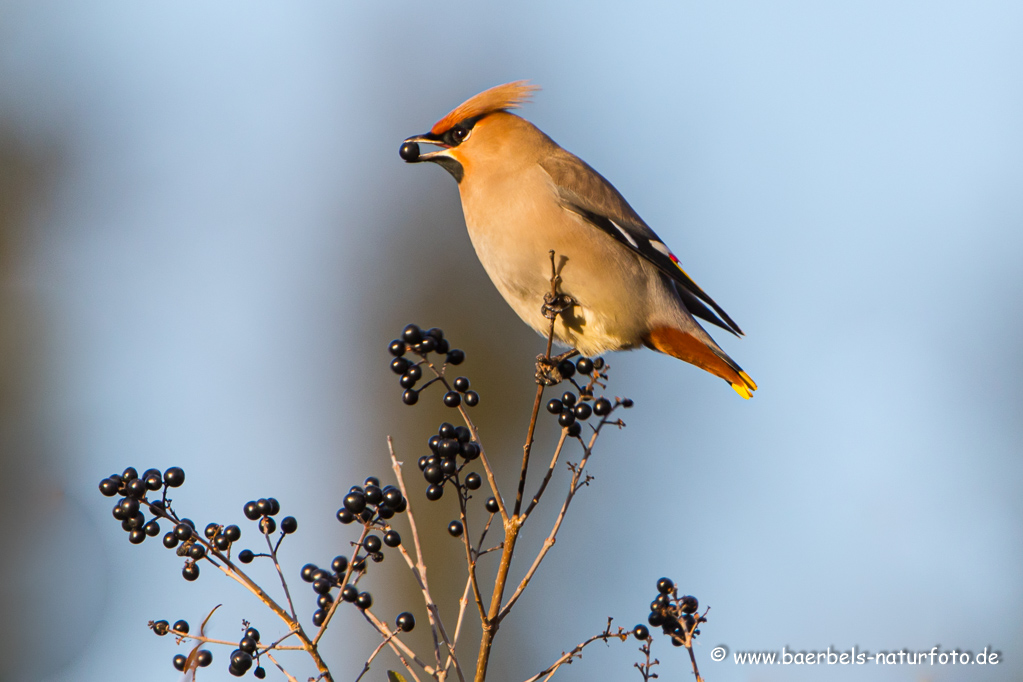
point(134, 490)
point(247, 652)
point(262, 510)
point(418, 342)
point(202, 657)
point(441, 465)
point(673, 614)
point(575, 407)
point(373, 506)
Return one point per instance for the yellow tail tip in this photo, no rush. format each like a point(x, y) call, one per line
point(746, 388)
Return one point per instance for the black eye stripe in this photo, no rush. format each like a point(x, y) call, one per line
point(459, 132)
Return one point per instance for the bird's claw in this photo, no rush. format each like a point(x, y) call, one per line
point(556, 304)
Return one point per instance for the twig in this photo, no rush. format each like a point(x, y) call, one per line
point(550, 472)
point(419, 571)
point(372, 656)
point(644, 669)
point(573, 488)
point(555, 280)
point(284, 583)
point(577, 651)
point(291, 678)
point(470, 560)
point(344, 581)
point(399, 647)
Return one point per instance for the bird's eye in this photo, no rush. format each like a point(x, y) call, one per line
point(459, 134)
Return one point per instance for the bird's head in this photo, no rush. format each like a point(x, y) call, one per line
point(470, 129)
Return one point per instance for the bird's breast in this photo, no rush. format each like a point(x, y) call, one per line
point(516, 220)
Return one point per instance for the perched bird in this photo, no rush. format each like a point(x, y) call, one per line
point(523, 196)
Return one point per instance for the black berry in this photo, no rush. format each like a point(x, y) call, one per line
point(455, 528)
point(251, 511)
point(690, 604)
point(405, 621)
point(412, 334)
point(355, 502)
point(372, 544)
point(409, 152)
point(174, 477)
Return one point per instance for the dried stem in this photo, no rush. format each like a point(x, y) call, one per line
point(284, 583)
point(567, 657)
point(418, 568)
point(573, 488)
point(380, 647)
point(344, 581)
point(527, 448)
point(291, 678)
point(399, 647)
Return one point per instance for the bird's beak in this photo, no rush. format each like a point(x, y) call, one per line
point(442, 157)
point(410, 148)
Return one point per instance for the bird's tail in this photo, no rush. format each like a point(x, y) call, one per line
point(690, 348)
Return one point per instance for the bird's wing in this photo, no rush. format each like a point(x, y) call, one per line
point(584, 191)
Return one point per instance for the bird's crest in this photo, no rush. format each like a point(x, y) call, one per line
point(507, 96)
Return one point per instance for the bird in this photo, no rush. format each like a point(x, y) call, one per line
point(524, 196)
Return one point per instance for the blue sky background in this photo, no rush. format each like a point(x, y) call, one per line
point(217, 238)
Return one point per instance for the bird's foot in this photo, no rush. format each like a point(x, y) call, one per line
point(548, 371)
point(556, 304)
